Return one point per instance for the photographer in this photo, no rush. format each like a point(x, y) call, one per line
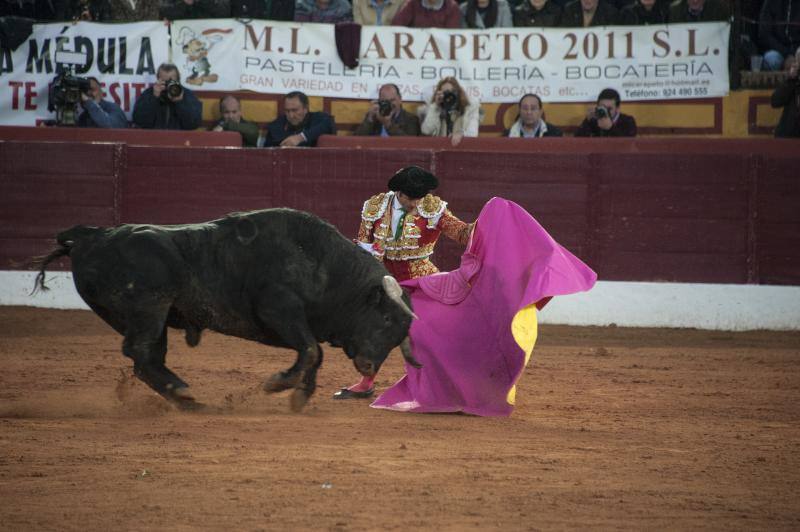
point(231, 110)
point(167, 104)
point(98, 112)
point(387, 118)
point(451, 113)
point(605, 120)
point(787, 95)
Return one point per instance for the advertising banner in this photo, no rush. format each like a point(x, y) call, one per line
point(497, 65)
point(123, 57)
point(494, 66)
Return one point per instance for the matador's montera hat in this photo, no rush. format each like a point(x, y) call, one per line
point(413, 181)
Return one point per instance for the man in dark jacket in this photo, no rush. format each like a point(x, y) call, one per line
point(779, 32)
point(537, 13)
point(167, 105)
point(193, 9)
point(605, 120)
point(530, 124)
point(645, 12)
point(585, 13)
point(298, 126)
point(698, 11)
point(98, 112)
point(787, 95)
point(387, 118)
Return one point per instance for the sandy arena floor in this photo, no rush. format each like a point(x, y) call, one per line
point(614, 428)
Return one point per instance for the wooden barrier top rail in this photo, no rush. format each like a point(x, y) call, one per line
point(134, 137)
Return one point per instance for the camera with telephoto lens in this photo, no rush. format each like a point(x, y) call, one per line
point(172, 89)
point(449, 100)
point(384, 107)
point(600, 112)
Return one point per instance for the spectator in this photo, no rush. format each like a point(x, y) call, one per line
point(779, 32)
point(89, 10)
point(451, 113)
point(586, 13)
point(282, 10)
point(189, 9)
point(260, 9)
point(375, 12)
point(326, 11)
point(125, 11)
point(605, 120)
point(482, 14)
point(538, 13)
point(698, 11)
point(162, 108)
point(231, 110)
point(98, 112)
point(428, 14)
point(398, 122)
point(645, 12)
point(787, 95)
point(530, 123)
point(298, 126)
point(39, 10)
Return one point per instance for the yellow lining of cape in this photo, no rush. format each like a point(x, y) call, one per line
point(525, 329)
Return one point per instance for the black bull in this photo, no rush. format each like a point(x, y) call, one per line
point(278, 276)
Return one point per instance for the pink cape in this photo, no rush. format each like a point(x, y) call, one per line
point(463, 337)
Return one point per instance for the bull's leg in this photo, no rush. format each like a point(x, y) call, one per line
point(303, 393)
point(146, 343)
point(289, 322)
point(283, 380)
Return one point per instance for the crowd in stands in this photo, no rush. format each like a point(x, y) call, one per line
point(412, 13)
point(450, 113)
point(778, 35)
point(772, 27)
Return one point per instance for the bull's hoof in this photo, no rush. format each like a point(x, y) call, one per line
point(278, 382)
point(298, 400)
point(183, 399)
point(182, 394)
point(189, 405)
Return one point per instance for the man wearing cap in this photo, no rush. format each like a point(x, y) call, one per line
point(401, 228)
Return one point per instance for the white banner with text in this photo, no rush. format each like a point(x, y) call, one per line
point(497, 65)
point(123, 57)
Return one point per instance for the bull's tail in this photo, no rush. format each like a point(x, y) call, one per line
point(66, 240)
point(43, 261)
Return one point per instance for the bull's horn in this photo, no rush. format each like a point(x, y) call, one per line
point(395, 293)
point(405, 347)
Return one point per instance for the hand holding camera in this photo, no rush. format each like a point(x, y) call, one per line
point(385, 108)
point(168, 91)
point(603, 118)
point(449, 100)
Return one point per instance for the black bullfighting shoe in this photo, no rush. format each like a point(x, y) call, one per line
point(344, 393)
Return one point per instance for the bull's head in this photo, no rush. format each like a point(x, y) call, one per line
point(382, 325)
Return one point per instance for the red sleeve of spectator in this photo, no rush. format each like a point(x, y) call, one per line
point(405, 15)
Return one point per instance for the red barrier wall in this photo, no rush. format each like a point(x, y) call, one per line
point(146, 137)
point(676, 210)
